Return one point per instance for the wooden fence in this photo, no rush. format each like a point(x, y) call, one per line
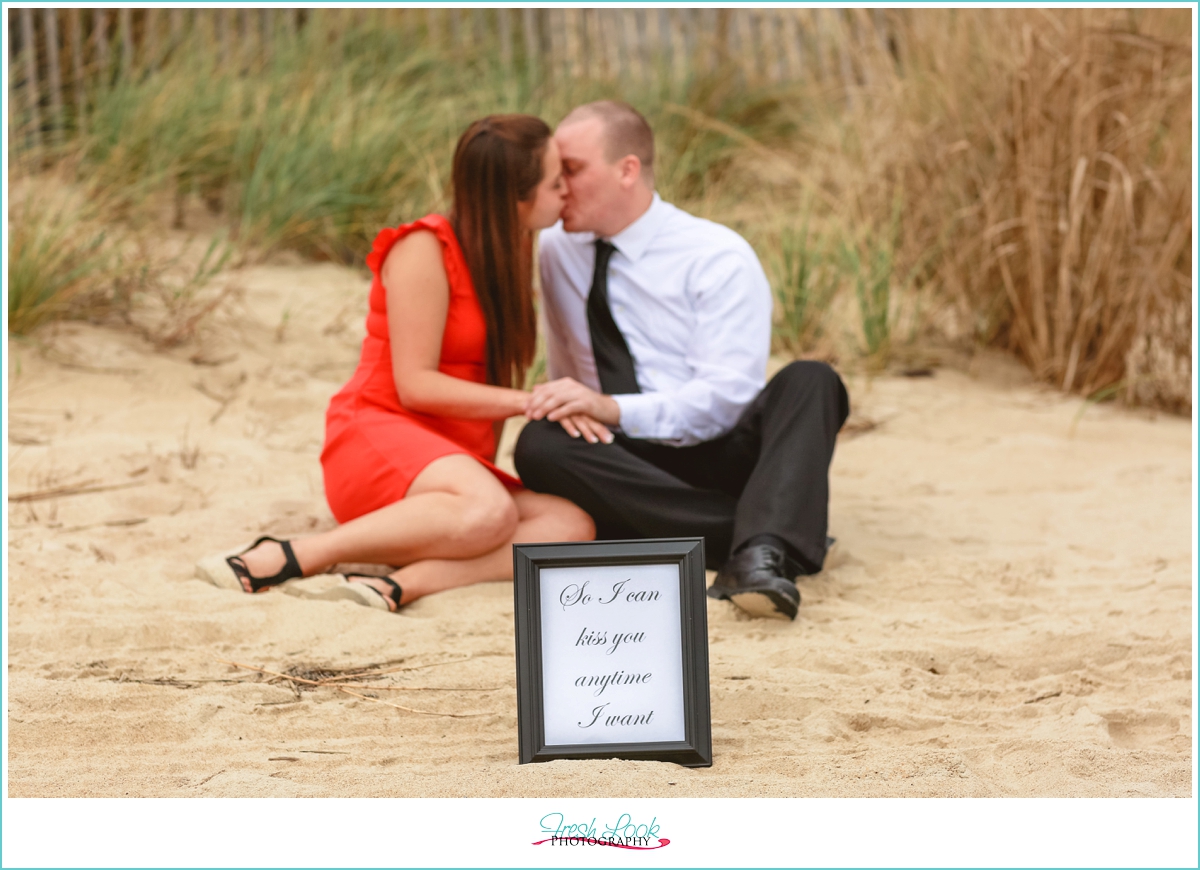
point(59, 57)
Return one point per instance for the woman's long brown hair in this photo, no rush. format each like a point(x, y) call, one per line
point(498, 163)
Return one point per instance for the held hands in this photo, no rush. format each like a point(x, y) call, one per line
point(580, 410)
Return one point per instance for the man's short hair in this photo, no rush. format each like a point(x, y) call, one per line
point(625, 132)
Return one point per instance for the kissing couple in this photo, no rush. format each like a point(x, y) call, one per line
point(657, 420)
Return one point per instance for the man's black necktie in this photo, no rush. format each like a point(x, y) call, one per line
point(614, 362)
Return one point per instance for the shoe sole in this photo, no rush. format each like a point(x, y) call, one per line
point(359, 593)
point(215, 570)
point(765, 605)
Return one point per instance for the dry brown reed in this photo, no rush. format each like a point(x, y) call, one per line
point(1044, 161)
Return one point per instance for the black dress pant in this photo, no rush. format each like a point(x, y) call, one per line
point(768, 475)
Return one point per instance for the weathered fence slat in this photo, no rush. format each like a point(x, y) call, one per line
point(100, 20)
point(75, 25)
point(150, 39)
point(791, 45)
point(221, 26)
point(33, 95)
point(53, 74)
point(504, 22)
point(125, 17)
point(479, 28)
point(529, 30)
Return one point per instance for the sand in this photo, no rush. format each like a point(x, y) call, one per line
point(1009, 612)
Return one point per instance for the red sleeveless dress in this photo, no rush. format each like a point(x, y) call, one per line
point(374, 446)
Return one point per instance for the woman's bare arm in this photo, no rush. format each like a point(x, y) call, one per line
point(418, 297)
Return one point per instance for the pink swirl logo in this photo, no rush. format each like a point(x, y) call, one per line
point(596, 841)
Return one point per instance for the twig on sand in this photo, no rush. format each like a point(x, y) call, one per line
point(188, 326)
point(417, 688)
point(335, 682)
point(78, 489)
point(132, 521)
point(378, 672)
point(271, 673)
point(1045, 697)
point(410, 709)
point(207, 778)
point(222, 401)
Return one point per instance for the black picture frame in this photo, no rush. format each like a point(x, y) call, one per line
point(695, 750)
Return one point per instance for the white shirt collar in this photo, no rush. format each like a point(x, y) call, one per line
point(635, 238)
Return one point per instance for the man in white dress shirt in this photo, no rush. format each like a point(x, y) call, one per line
point(657, 419)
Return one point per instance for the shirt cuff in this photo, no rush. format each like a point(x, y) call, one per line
point(639, 414)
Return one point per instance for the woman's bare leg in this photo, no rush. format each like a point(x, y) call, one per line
point(542, 518)
point(454, 508)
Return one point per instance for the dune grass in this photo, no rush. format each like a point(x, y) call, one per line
point(61, 258)
point(1025, 172)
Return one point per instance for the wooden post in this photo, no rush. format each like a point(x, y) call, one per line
point(529, 36)
point(267, 34)
point(555, 38)
point(242, 34)
point(753, 47)
point(53, 74)
point(32, 96)
point(504, 20)
point(820, 33)
point(791, 44)
point(679, 53)
point(100, 20)
point(221, 26)
point(610, 27)
point(573, 44)
point(125, 17)
point(631, 42)
point(857, 24)
point(843, 51)
point(150, 39)
point(740, 46)
point(770, 35)
point(433, 28)
point(652, 41)
point(593, 47)
point(479, 29)
point(722, 38)
point(75, 24)
point(690, 24)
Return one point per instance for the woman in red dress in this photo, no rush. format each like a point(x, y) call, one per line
point(410, 439)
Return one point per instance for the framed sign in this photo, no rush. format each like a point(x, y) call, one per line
point(612, 651)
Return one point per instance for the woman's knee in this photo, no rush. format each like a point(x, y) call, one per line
point(575, 523)
point(488, 519)
point(555, 518)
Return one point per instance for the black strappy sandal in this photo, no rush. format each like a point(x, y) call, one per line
point(364, 593)
point(289, 571)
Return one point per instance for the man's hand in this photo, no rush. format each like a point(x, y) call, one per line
point(567, 397)
point(582, 426)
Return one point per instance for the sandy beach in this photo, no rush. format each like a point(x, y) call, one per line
point(1009, 612)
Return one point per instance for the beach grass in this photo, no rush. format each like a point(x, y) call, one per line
point(1026, 172)
point(61, 258)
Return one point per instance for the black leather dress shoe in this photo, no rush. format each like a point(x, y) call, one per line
point(754, 580)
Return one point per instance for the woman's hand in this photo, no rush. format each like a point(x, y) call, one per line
point(566, 397)
point(582, 426)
